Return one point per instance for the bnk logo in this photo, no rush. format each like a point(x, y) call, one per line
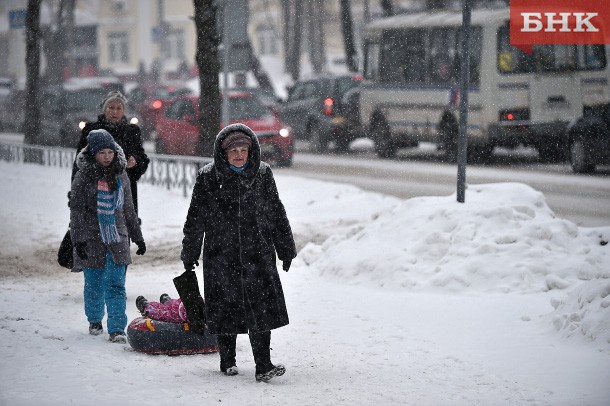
point(559, 22)
point(532, 22)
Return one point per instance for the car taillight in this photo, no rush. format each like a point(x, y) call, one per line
point(157, 104)
point(328, 106)
point(515, 114)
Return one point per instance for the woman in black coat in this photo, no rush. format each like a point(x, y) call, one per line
point(127, 135)
point(238, 217)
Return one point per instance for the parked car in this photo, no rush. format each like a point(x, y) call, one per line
point(12, 108)
point(311, 110)
point(589, 139)
point(266, 96)
point(66, 108)
point(177, 130)
point(146, 101)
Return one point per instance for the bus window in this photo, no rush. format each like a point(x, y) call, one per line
point(413, 67)
point(390, 56)
point(511, 59)
point(555, 58)
point(402, 56)
point(594, 57)
point(443, 53)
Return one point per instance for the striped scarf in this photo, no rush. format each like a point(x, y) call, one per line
point(107, 202)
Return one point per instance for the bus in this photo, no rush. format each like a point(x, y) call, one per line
point(411, 89)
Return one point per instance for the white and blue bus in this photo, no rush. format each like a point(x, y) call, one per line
point(412, 69)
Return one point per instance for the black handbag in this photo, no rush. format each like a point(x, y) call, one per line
point(64, 254)
point(188, 289)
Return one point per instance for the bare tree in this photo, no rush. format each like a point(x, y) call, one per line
point(209, 68)
point(32, 63)
point(316, 34)
point(58, 42)
point(294, 62)
point(348, 36)
point(287, 13)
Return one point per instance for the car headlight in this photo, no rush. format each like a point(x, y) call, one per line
point(134, 120)
point(285, 132)
point(82, 124)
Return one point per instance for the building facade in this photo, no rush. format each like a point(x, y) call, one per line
point(130, 38)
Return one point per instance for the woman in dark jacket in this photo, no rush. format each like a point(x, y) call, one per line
point(127, 135)
point(103, 220)
point(237, 215)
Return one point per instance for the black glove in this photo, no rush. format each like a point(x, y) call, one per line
point(286, 265)
point(69, 196)
point(189, 266)
point(81, 250)
point(141, 247)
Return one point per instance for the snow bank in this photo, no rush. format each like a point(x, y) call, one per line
point(503, 238)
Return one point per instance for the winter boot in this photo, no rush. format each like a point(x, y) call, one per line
point(265, 370)
point(164, 298)
point(141, 303)
point(226, 348)
point(276, 370)
point(118, 338)
point(95, 329)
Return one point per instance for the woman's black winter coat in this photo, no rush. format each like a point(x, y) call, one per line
point(241, 222)
point(129, 137)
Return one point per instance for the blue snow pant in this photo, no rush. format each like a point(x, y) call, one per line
point(105, 287)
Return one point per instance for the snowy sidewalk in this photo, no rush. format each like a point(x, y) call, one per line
point(356, 336)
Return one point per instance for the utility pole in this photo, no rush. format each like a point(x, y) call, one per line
point(462, 144)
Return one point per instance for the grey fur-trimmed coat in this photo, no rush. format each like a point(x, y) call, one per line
point(84, 225)
point(241, 223)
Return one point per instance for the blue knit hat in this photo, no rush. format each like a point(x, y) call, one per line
point(100, 139)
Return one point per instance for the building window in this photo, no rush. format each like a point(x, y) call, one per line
point(174, 45)
point(118, 47)
point(267, 40)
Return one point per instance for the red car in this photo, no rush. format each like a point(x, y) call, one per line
point(146, 101)
point(177, 131)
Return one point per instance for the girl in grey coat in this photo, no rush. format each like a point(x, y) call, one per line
point(238, 217)
point(102, 221)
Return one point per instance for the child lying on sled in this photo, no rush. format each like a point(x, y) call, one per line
point(166, 309)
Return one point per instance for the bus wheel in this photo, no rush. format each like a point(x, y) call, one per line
point(384, 147)
point(317, 140)
point(580, 157)
point(448, 137)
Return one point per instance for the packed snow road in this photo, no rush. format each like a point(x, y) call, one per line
point(583, 199)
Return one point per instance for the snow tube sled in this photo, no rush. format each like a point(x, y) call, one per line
point(160, 337)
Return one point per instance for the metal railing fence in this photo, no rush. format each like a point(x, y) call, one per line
point(170, 171)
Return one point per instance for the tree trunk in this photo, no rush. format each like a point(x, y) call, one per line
point(315, 34)
point(209, 69)
point(59, 42)
point(32, 63)
point(69, 27)
point(286, 11)
point(348, 36)
point(294, 66)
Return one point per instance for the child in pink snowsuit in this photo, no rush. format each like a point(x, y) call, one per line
point(166, 309)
